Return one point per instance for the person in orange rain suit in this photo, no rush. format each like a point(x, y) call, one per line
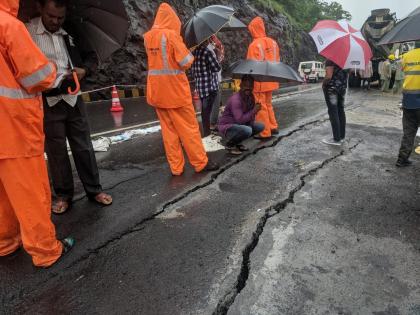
point(264, 48)
point(25, 197)
point(168, 90)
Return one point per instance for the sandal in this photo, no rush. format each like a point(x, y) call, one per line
point(102, 199)
point(60, 206)
point(68, 244)
point(234, 150)
point(242, 148)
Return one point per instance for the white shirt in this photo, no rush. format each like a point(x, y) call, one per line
point(54, 48)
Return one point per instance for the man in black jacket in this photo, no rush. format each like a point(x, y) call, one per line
point(65, 114)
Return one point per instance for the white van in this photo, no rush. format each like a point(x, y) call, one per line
point(312, 70)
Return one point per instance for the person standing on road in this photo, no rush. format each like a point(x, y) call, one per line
point(399, 77)
point(411, 104)
point(366, 75)
point(25, 196)
point(334, 87)
point(218, 49)
point(205, 69)
point(237, 122)
point(168, 90)
point(65, 114)
point(387, 73)
point(264, 48)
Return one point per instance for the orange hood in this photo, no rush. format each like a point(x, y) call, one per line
point(167, 18)
point(257, 28)
point(10, 6)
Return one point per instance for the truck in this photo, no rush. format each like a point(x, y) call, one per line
point(380, 22)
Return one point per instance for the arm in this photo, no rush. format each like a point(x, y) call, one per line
point(329, 71)
point(183, 56)
point(240, 116)
point(212, 62)
point(253, 52)
point(30, 67)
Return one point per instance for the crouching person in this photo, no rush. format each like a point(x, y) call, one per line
point(237, 122)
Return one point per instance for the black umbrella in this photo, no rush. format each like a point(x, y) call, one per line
point(233, 25)
point(98, 25)
point(205, 23)
point(265, 71)
point(406, 30)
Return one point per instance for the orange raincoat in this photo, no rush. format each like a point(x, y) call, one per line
point(168, 90)
point(25, 198)
point(264, 48)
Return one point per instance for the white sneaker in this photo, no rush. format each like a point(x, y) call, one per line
point(332, 142)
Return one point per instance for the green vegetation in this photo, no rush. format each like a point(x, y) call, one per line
point(305, 13)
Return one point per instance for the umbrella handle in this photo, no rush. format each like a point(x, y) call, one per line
point(76, 81)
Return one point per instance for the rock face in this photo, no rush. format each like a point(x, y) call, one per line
point(128, 65)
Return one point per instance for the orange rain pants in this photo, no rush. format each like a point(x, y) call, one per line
point(25, 210)
point(266, 114)
point(180, 129)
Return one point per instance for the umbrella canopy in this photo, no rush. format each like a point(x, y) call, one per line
point(233, 25)
point(406, 30)
point(342, 44)
point(265, 71)
point(99, 25)
point(205, 23)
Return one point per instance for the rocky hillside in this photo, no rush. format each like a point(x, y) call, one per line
point(128, 65)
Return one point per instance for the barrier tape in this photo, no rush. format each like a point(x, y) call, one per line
point(133, 91)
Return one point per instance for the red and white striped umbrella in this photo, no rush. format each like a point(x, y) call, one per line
point(341, 43)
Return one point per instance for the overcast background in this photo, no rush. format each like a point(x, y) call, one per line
point(360, 9)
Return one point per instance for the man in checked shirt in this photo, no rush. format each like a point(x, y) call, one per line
point(205, 71)
point(65, 114)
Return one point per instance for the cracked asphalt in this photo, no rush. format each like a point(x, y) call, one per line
point(292, 227)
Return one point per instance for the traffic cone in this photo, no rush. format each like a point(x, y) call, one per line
point(116, 104)
point(196, 101)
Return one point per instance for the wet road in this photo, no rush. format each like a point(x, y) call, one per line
point(137, 112)
point(292, 227)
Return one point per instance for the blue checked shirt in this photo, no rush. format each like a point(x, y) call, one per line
point(205, 71)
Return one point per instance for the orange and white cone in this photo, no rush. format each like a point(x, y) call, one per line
point(116, 104)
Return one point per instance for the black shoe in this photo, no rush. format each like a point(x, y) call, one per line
point(275, 131)
point(234, 150)
point(403, 163)
point(211, 166)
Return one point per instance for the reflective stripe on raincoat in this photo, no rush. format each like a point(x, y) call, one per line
point(25, 72)
point(168, 58)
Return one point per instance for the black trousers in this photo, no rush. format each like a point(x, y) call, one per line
point(411, 123)
point(335, 103)
point(206, 111)
point(63, 121)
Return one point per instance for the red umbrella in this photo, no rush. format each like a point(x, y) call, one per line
point(341, 43)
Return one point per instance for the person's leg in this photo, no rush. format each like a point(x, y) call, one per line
point(25, 181)
point(78, 135)
point(341, 116)
point(214, 116)
point(237, 133)
point(172, 142)
point(206, 110)
point(263, 115)
point(10, 239)
point(331, 99)
point(271, 114)
point(186, 126)
point(257, 127)
point(410, 127)
point(56, 147)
